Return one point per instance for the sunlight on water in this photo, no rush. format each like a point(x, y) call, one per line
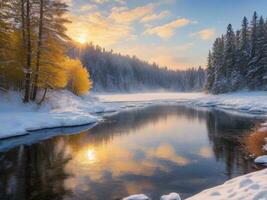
point(154, 151)
point(91, 156)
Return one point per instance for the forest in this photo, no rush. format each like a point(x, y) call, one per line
point(115, 72)
point(33, 50)
point(238, 59)
point(36, 55)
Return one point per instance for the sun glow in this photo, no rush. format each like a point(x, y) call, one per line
point(81, 39)
point(91, 155)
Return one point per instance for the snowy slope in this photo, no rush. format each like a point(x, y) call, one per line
point(251, 186)
point(63, 109)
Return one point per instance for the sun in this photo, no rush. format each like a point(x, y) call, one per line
point(81, 39)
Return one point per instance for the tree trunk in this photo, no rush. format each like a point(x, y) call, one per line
point(39, 47)
point(43, 98)
point(29, 55)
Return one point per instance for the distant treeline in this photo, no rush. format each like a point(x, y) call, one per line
point(111, 71)
point(238, 60)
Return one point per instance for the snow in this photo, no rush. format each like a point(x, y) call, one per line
point(261, 160)
point(245, 102)
point(63, 109)
point(136, 197)
point(251, 186)
point(171, 196)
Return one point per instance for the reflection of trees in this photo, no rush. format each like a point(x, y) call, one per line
point(37, 172)
point(224, 132)
point(34, 172)
point(132, 121)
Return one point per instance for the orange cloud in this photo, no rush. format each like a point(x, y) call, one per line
point(126, 15)
point(168, 30)
point(205, 34)
point(106, 1)
point(98, 29)
point(167, 152)
point(205, 152)
point(88, 7)
point(153, 17)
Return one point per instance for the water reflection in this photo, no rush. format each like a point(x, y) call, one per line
point(154, 151)
point(35, 172)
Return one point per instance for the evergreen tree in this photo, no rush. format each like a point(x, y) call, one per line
point(210, 73)
point(244, 51)
point(232, 73)
point(220, 74)
point(243, 63)
point(111, 72)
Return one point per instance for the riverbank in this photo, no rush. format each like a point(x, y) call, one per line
point(64, 109)
point(246, 187)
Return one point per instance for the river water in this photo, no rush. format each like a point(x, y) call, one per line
point(155, 151)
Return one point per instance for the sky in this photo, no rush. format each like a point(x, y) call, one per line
point(173, 33)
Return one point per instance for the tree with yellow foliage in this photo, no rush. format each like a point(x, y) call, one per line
point(79, 78)
point(33, 44)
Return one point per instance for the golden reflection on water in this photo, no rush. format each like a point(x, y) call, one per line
point(91, 156)
point(148, 152)
point(137, 153)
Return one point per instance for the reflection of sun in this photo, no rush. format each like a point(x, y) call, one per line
point(81, 39)
point(91, 155)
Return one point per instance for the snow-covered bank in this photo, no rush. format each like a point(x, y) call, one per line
point(62, 110)
point(65, 109)
point(245, 102)
point(251, 186)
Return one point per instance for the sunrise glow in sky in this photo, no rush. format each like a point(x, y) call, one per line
point(173, 33)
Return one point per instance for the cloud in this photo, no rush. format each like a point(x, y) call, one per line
point(88, 7)
point(167, 152)
point(107, 1)
point(99, 29)
point(153, 17)
point(205, 34)
point(205, 152)
point(104, 28)
point(168, 30)
point(126, 15)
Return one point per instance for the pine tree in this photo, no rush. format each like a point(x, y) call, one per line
point(229, 59)
point(220, 74)
point(210, 73)
point(261, 55)
point(244, 51)
point(236, 72)
point(243, 63)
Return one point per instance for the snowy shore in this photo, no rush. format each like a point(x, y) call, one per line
point(251, 186)
point(63, 109)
